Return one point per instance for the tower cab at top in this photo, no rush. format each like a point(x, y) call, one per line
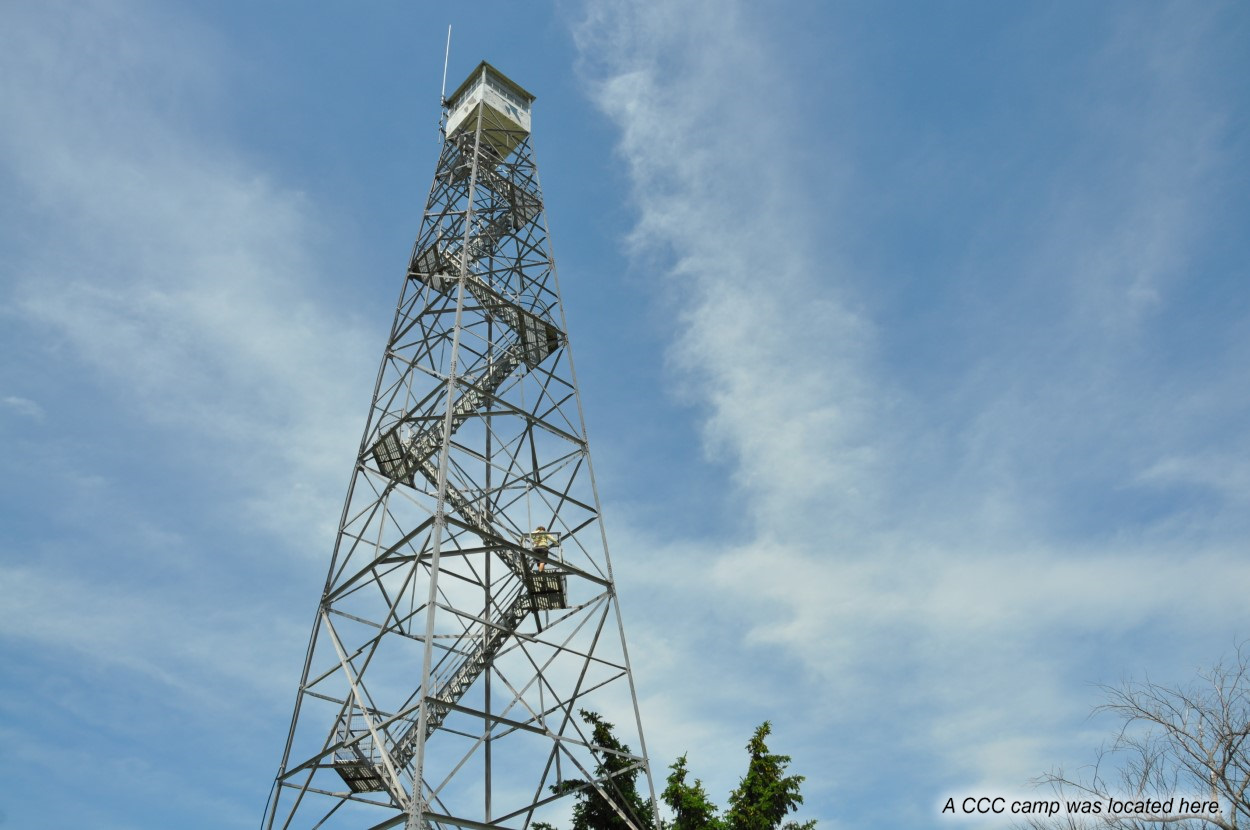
point(501, 105)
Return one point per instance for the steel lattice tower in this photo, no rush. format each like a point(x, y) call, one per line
point(455, 644)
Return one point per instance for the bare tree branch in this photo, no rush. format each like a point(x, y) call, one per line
point(1189, 742)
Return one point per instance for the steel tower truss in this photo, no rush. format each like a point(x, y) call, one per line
point(453, 648)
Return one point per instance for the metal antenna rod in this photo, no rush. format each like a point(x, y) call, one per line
point(442, 97)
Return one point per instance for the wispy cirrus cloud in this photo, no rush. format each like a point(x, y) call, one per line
point(172, 304)
point(178, 276)
point(764, 331)
point(23, 406)
point(947, 547)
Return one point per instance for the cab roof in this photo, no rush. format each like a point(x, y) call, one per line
point(494, 74)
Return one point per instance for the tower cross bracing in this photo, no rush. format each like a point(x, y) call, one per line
point(470, 613)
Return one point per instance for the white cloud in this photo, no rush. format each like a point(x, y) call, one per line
point(23, 406)
point(188, 651)
point(188, 283)
point(922, 559)
point(923, 580)
point(767, 345)
point(187, 292)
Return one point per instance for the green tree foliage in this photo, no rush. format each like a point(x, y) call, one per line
point(765, 794)
point(615, 790)
point(763, 798)
point(692, 809)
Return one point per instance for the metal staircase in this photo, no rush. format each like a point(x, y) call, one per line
point(437, 692)
point(400, 458)
point(359, 762)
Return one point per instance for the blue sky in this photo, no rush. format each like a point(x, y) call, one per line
point(914, 342)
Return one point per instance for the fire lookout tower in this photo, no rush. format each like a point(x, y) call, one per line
point(469, 613)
